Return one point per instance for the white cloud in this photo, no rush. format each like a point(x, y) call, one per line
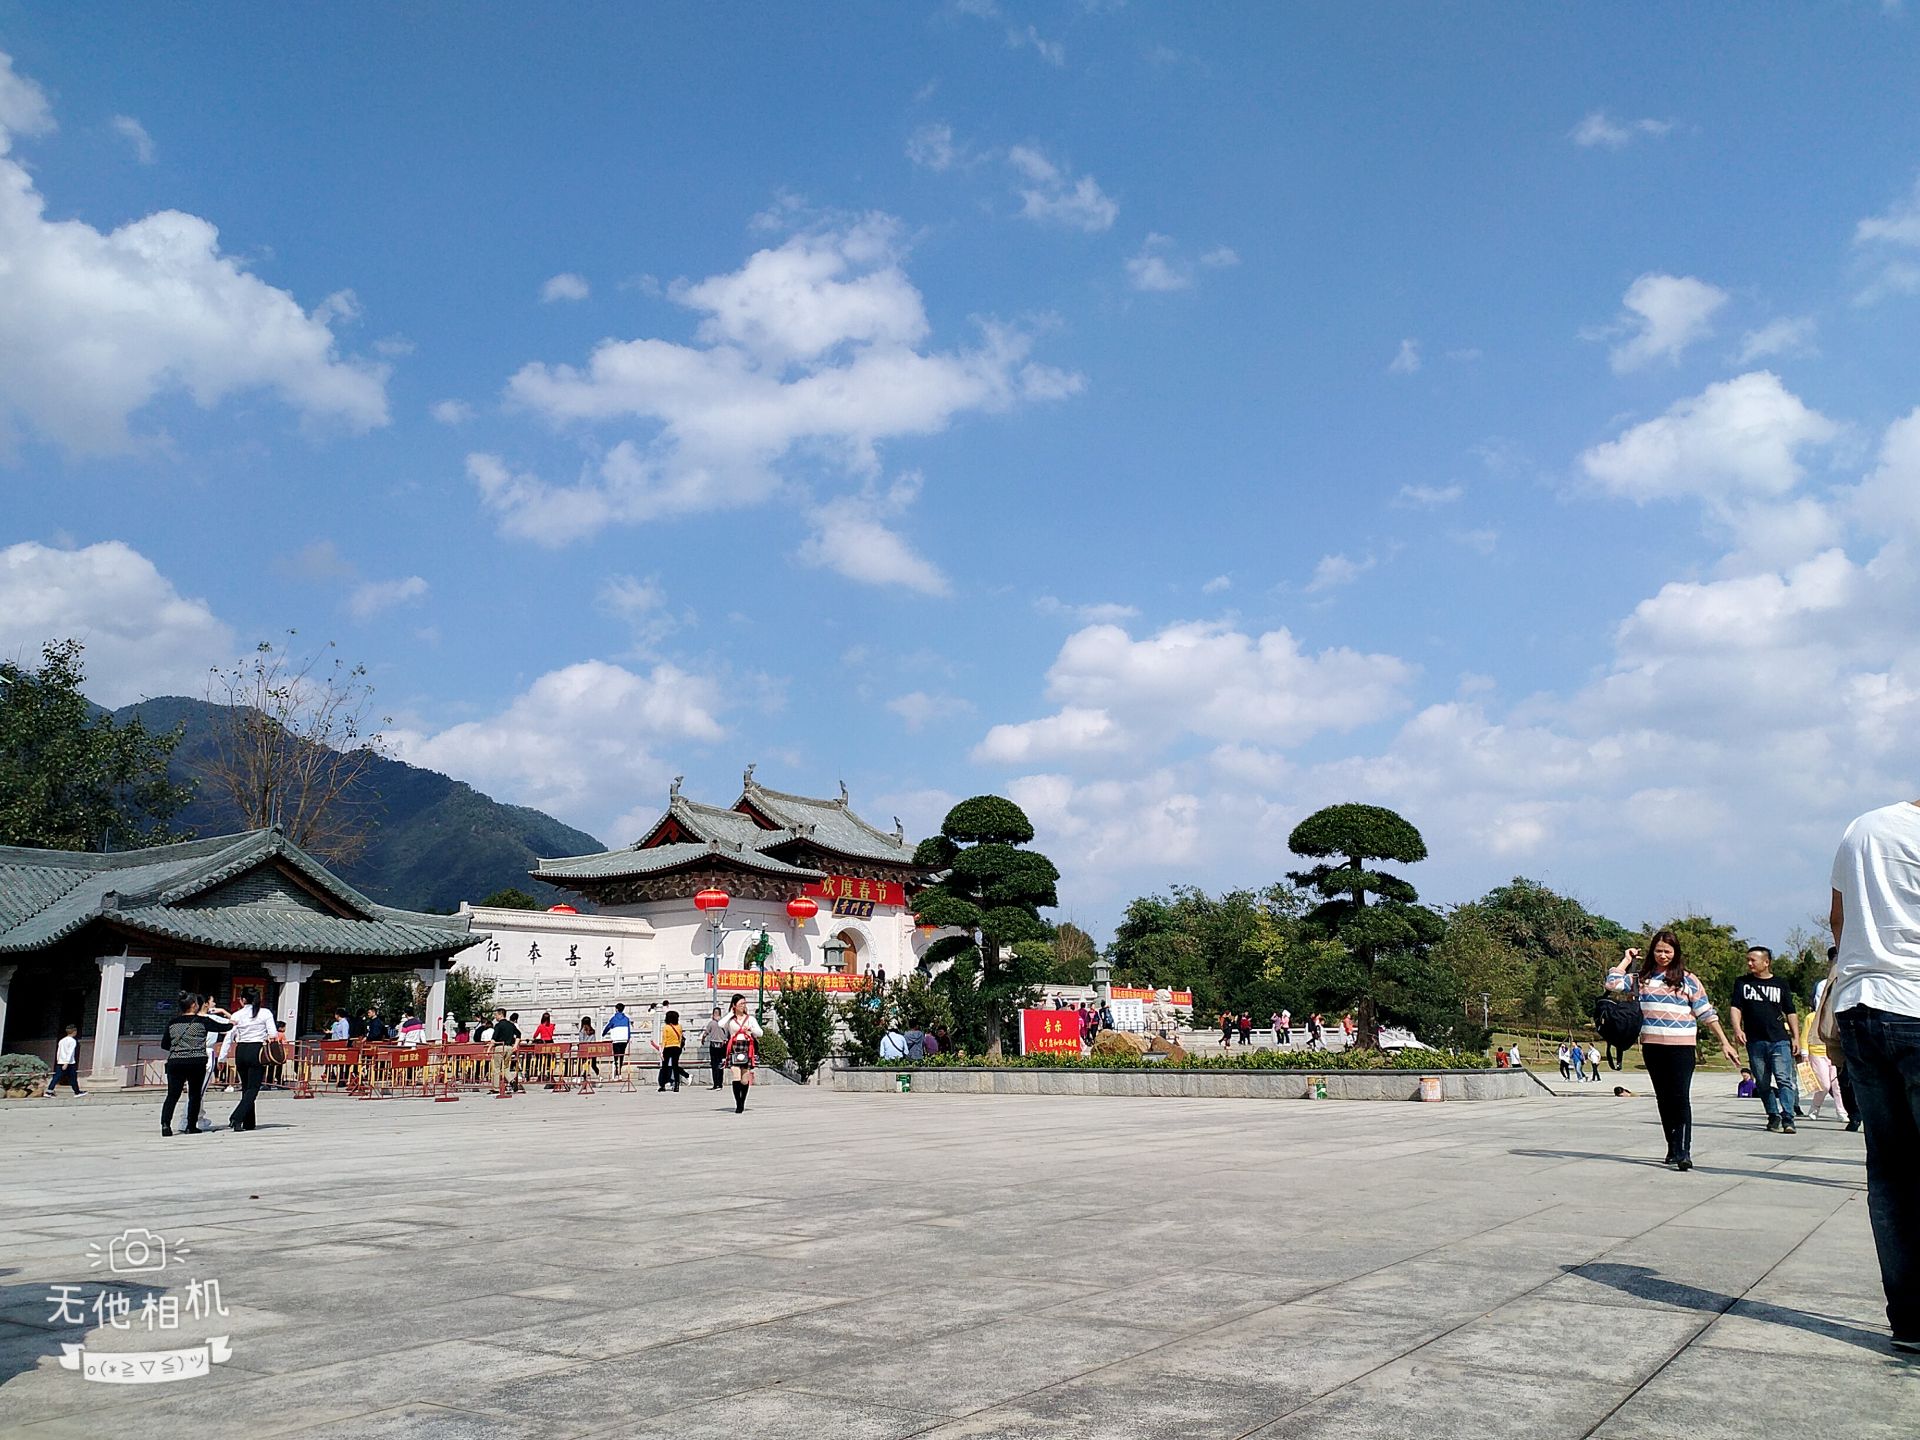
point(23, 104)
point(142, 636)
point(1103, 612)
point(1737, 438)
point(565, 286)
point(1051, 196)
point(917, 709)
point(814, 350)
point(1334, 571)
point(581, 742)
point(1154, 269)
point(1429, 497)
point(1899, 226)
point(451, 412)
point(135, 134)
point(1221, 257)
point(1217, 584)
point(1073, 732)
point(1407, 360)
point(1028, 38)
point(1898, 229)
point(1207, 679)
point(94, 327)
point(852, 543)
point(1481, 542)
point(371, 597)
point(931, 147)
point(1789, 335)
point(1665, 315)
point(1597, 129)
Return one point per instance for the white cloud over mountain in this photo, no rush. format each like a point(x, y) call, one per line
point(142, 636)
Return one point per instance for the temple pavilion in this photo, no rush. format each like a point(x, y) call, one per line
point(107, 942)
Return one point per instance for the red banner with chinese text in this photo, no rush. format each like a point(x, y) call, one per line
point(744, 980)
point(848, 887)
point(1049, 1032)
point(1129, 992)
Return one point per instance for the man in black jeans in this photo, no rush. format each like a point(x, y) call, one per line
point(1876, 1003)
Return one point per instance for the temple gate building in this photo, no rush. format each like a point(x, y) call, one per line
point(832, 893)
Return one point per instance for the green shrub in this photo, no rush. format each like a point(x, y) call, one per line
point(23, 1069)
point(770, 1049)
point(806, 1024)
point(1246, 1060)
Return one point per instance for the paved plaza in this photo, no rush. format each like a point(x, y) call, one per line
point(855, 1266)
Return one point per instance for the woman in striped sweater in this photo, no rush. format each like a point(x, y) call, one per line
point(1673, 1006)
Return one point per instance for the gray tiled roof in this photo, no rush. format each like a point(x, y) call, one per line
point(830, 825)
point(617, 864)
point(48, 895)
point(735, 837)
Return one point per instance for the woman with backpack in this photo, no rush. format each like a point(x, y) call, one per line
point(1673, 1006)
point(743, 1031)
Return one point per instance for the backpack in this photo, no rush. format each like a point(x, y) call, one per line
point(740, 1049)
point(1616, 1019)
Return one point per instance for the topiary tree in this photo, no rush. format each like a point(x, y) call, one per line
point(993, 889)
point(1347, 839)
point(806, 1023)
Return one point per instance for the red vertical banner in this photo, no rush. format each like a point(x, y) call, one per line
point(1049, 1032)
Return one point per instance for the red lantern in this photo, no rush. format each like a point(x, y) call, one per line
point(800, 909)
point(561, 910)
point(712, 900)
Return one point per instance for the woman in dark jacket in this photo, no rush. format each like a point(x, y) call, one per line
point(185, 1042)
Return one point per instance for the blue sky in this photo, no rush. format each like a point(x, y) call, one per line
point(1174, 417)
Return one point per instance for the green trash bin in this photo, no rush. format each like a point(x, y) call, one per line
point(903, 1083)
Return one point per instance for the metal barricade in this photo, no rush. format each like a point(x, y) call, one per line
point(586, 1058)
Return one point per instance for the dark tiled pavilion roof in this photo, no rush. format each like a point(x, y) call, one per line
point(167, 893)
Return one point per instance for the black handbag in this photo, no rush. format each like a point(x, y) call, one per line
point(1616, 1020)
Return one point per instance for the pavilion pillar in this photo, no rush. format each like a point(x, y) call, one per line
point(6, 988)
point(434, 977)
point(291, 974)
point(114, 970)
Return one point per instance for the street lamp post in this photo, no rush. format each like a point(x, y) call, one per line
point(1485, 997)
point(765, 948)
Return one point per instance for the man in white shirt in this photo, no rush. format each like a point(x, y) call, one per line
point(893, 1045)
point(1876, 984)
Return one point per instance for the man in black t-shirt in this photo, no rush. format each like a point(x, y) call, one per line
point(1763, 1021)
point(506, 1035)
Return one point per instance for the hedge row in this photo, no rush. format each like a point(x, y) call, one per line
point(1244, 1060)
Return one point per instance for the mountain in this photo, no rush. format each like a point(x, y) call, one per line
point(435, 841)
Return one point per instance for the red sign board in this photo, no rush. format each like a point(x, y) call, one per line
point(744, 980)
point(1049, 1032)
point(1129, 992)
point(848, 887)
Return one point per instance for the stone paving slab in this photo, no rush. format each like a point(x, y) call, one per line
point(958, 1265)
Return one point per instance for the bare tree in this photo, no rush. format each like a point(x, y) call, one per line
point(292, 744)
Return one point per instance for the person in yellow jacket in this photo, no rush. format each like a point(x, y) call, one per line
point(672, 1040)
point(1825, 1074)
